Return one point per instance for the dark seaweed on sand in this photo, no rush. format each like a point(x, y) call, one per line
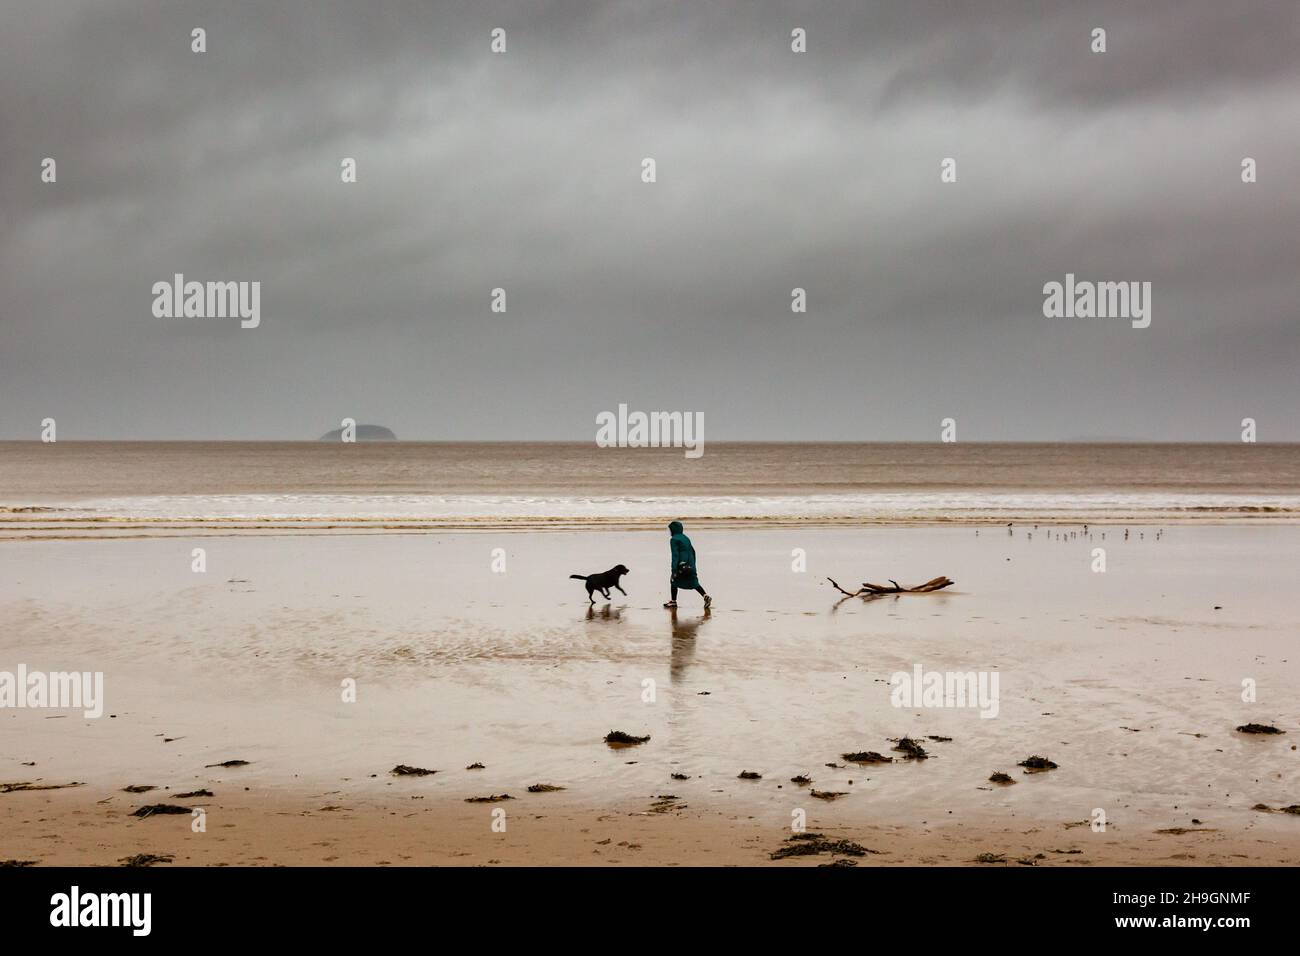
point(618, 737)
point(543, 788)
point(490, 798)
point(867, 756)
point(155, 809)
point(475, 766)
point(26, 785)
point(999, 777)
point(802, 779)
point(828, 794)
point(17, 863)
point(749, 775)
point(990, 858)
point(813, 844)
point(193, 794)
point(910, 749)
point(402, 770)
point(1036, 763)
point(138, 788)
point(1259, 729)
point(680, 776)
point(228, 763)
point(144, 859)
point(666, 803)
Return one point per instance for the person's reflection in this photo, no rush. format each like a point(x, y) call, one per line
point(683, 643)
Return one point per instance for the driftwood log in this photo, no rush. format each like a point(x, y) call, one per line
point(869, 590)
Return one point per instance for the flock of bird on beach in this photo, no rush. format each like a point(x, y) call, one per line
point(1071, 535)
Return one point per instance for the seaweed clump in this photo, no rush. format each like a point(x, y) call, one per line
point(155, 809)
point(828, 794)
point(814, 844)
point(868, 756)
point(1259, 729)
point(910, 749)
point(1036, 764)
point(616, 738)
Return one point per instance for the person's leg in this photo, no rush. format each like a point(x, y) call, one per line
point(672, 601)
point(704, 594)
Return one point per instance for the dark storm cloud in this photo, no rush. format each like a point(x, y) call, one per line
point(776, 170)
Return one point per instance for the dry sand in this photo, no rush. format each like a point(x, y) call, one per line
point(297, 828)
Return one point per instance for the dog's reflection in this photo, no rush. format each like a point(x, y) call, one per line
point(606, 613)
point(683, 643)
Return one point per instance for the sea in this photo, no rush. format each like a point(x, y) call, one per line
point(380, 486)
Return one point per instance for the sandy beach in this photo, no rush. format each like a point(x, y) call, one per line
point(1130, 681)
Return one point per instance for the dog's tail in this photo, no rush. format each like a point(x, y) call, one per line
point(580, 577)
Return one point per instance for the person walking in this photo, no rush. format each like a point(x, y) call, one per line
point(684, 572)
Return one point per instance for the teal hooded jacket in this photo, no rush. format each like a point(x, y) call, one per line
point(683, 552)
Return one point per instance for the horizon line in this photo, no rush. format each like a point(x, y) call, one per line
point(588, 441)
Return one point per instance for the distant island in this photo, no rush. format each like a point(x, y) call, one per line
point(364, 433)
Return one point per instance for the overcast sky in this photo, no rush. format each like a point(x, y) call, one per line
point(776, 170)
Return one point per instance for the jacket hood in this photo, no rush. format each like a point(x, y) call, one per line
point(675, 528)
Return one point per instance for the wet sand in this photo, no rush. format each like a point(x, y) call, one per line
point(1129, 680)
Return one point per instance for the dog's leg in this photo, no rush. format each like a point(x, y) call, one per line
point(621, 591)
point(605, 593)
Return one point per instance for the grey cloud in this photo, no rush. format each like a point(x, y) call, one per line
point(775, 171)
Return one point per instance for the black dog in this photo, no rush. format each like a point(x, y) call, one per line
point(603, 582)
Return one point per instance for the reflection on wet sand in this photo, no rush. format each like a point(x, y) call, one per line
point(683, 643)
